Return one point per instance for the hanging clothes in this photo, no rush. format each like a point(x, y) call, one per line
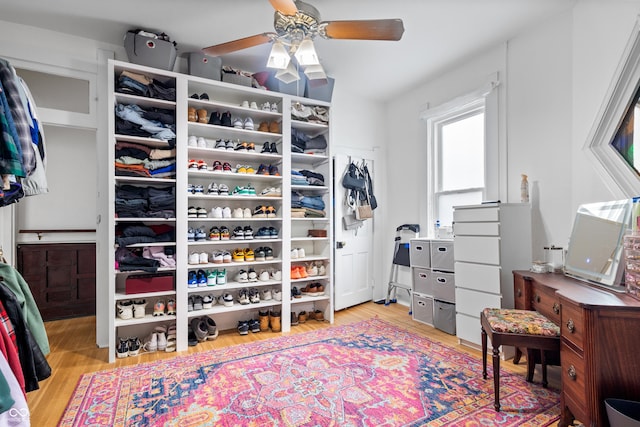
point(18, 415)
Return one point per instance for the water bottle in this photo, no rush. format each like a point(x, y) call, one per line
point(436, 229)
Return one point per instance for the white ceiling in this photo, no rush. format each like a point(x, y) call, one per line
point(438, 33)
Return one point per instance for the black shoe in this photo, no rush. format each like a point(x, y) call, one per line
point(215, 119)
point(204, 96)
point(254, 325)
point(266, 148)
point(191, 338)
point(273, 148)
point(226, 119)
point(243, 327)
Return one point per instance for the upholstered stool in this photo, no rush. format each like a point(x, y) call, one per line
point(520, 328)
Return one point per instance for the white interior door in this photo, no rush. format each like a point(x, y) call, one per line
point(353, 250)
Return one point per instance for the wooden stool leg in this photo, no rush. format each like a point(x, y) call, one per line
point(484, 354)
point(496, 377)
point(531, 364)
point(543, 360)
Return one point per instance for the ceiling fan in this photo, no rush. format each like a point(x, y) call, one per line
point(297, 23)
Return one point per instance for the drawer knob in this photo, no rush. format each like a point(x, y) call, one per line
point(571, 372)
point(571, 326)
point(537, 298)
point(556, 308)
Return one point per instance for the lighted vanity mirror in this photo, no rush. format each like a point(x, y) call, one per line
point(595, 246)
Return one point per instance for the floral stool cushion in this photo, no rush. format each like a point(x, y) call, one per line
point(520, 322)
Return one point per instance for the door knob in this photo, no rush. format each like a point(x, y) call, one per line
point(340, 245)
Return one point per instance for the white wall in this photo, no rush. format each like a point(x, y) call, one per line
point(557, 76)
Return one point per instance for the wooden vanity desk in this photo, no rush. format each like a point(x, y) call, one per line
point(600, 341)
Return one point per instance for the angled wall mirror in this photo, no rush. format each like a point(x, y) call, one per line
point(614, 141)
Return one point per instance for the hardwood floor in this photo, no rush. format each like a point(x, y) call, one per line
point(74, 352)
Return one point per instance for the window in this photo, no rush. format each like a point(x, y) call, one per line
point(457, 159)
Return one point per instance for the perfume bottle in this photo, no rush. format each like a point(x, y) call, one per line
point(524, 189)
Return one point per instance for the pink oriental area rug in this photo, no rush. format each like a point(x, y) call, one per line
point(369, 373)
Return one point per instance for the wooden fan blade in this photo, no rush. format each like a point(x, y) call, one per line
point(232, 46)
point(374, 29)
point(285, 7)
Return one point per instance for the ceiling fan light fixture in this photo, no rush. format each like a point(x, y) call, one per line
point(289, 74)
point(315, 72)
point(279, 57)
point(306, 53)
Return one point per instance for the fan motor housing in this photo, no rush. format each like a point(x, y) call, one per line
point(304, 22)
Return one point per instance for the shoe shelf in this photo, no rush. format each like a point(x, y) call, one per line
point(148, 318)
point(221, 97)
point(220, 154)
point(227, 132)
point(235, 109)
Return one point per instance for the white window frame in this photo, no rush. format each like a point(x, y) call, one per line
point(617, 174)
point(485, 98)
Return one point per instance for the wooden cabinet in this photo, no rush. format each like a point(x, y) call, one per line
point(491, 240)
point(62, 278)
point(600, 346)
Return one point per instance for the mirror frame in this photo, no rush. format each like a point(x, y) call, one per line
point(618, 175)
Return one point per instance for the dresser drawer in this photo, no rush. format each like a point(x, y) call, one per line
point(480, 277)
point(472, 302)
point(573, 381)
point(572, 323)
point(476, 214)
point(521, 294)
point(545, 302)
point(476, 229)
point(482, 250)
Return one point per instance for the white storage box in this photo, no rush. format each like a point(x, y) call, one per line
point(420, 253)
point(442, 255)
point(206, 66)
point(423, 309)
point(149, 51)
point(444, 316)
point(443, 286)
point(422, 281)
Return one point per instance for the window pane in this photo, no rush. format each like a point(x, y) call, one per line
point(462, 153)
point(446, 202)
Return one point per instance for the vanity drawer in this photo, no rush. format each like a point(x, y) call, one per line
point(572, 323)
point(573, 381)
point(545, 302)
point(521, 293)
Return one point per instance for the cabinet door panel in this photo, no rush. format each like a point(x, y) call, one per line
point(468, 328)
point(482, 250)
point(480, 277)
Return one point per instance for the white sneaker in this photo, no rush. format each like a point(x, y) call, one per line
point(125, 310)
point(265, 106)
point(194, 258)
point(301, 253)
point(264, 277)
point(218, 258)
point(274, 107)
point(238, 213)
point(226, 212)
point(248, 123)
point(152, 343)
point(245, 104)
point(266, 295)
point(216, 212)
point(222, 277)
point(312, 270)
point(253, 105)
point(253, 276)
point(162, 341)
point(294, 253)
point(277, 294)
point(139, 309)
point(276, 275)
point(193, 141)
point(242, 276)
point(203, 258)
point(246, 213)
point(202, 143)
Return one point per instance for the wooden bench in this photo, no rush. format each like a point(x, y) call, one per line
point(520, 328)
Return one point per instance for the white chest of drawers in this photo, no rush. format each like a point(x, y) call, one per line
point(490, 241)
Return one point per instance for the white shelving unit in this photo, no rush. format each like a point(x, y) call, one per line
point(291, 232)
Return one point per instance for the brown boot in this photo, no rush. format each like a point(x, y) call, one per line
point(203, 116)
point(192, 116)
point(274, 319)
point(302, 317)
point(264, 320)
point(318, 315)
